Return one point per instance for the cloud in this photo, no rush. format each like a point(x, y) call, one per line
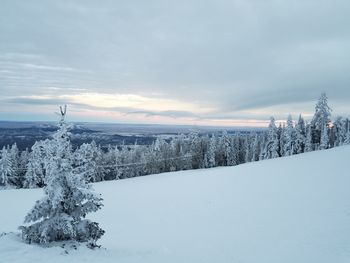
point(236, 59)
point(35, 101)
point(45, 101)
point(169, 113)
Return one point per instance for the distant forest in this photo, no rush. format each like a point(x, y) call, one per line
point(27, 168)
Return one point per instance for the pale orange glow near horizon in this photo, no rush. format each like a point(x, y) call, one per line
point(134, 108)
point(110, 117)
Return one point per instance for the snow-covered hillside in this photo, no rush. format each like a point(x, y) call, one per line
point(294, 209)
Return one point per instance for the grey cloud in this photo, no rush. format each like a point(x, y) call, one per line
point(80, 106)
point(232, 56)
point(34, 101)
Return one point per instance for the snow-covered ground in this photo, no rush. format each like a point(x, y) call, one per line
point(294, 209)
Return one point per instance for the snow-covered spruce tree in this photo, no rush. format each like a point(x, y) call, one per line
point(338, 132)
point(10, 174)
point(249, 150)
point(272, 143)
point(300, 137)
point(181, 161)
point(322, 114)
point(347, 137)
point(308, 142)
point(35, 170)
point(59, 216)
point(22, 164)
point(16, 179)
point(289, 135)
point(120, 160)
point(162, 155)
point(237, 150)
point(263, 141)
point(321, 118)
point(343, 131)
point(150, 159)
point(324, 138)
point(196, 150)
point(186, 158)
point(242, 150)
point(6, 170)
point(228, 150)
point(256, 148)
point(88, 158)
point(282, 138)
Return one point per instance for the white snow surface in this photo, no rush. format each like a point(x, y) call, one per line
point(294, 209)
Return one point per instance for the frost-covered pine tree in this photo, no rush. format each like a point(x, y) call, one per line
point(240, 149)
point(347, 138)
point(35, 168)
point(121, 159)
point(308, 142)
point(249, 149)
point(324, 138)
point(227, 147)
point(338, 132)
point(16, 178)
point(23, 160)
point(262, 151)
point(181, 161)
point(272, 143)
point(343, 131)
point(322, 114)
point(6, 170)
point(256, 148)
point(300, 136)
point(282, 138)
point(10, 175)
point(196, 150)
point(211, 151)
point(237, 154)
point(59, 215)
point(321, 118)
point(289, 136)
point(88, 159)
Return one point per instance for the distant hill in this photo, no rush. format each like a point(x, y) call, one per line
point(24, 134)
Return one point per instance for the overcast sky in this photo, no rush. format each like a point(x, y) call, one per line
point(220, 62)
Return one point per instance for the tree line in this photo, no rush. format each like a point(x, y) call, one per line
point(27, 169)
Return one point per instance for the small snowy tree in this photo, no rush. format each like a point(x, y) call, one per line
point(68, 199)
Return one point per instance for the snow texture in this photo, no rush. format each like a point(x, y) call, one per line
point(292, 209)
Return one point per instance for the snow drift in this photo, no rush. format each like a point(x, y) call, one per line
point(294, 209)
